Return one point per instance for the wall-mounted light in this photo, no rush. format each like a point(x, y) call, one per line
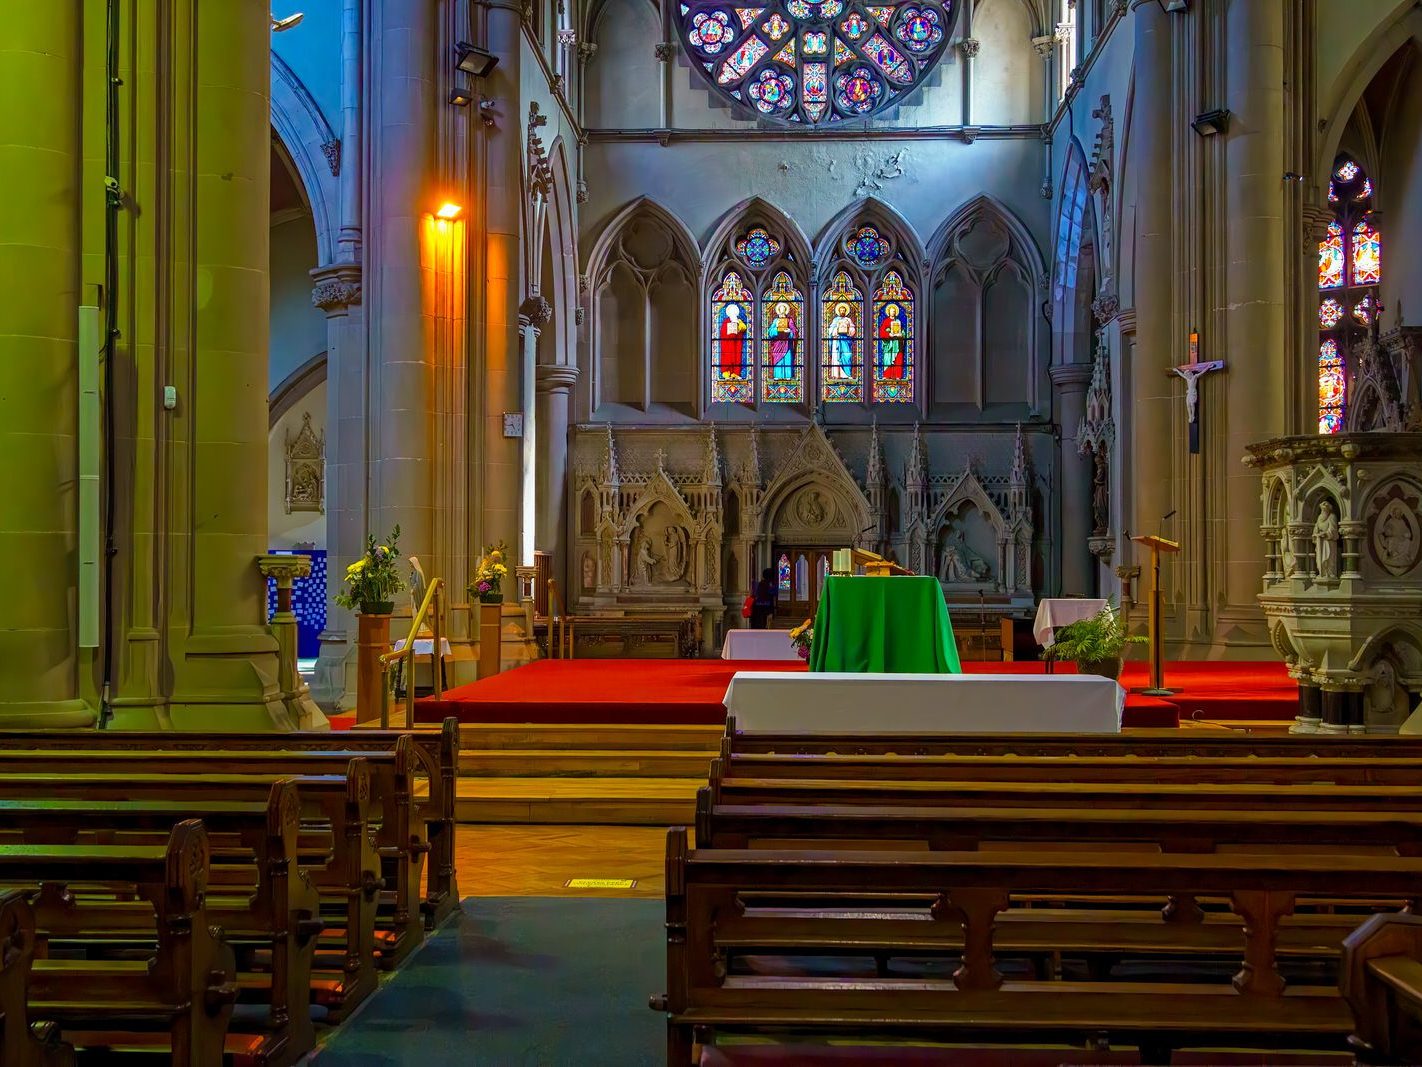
point(449, 210)
point(278, 25)
point(1211, 122)
point(461, 97)
point(473, 60)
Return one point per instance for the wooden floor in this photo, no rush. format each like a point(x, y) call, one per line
point(537, 861)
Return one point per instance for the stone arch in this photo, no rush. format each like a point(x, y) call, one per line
point(968, 497)
point(815, 462)
point(751, 210)
point(1073, 276)
point(642, 347)
point(311, 144)
point(870, 209)
point(985, 269)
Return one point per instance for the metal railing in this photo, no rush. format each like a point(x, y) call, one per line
point(560, 624)
point(432, 609)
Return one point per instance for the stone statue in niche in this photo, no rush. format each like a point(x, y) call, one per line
point(1325, 543)
point(960, 563)
point(674, 544)
point(1100, 497)
point(589, 572)
point(1396, 537)
point(646, 560)
point(1384, 701)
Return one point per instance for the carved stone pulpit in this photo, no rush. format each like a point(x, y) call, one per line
point(1342, 526)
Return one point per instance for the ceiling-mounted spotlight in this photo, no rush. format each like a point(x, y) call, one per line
point(473, 60)
point(278, 25)
point(1211, 122)
point(461, 97)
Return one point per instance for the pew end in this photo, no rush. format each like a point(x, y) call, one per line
point(1381, 979)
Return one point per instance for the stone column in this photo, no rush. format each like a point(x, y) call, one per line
point(1149, 414)
point(495, 242)
point(555, 384)
point(1069, 381)
point(39, 363)
point(533, 315)
point(400, 200)
point(1255, 400)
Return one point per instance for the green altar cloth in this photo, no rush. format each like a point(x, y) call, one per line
point(896, 625)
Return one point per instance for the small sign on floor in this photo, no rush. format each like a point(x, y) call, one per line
point(601, 883)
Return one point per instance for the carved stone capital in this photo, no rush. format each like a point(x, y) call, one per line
point(969, 134)
point(337, 287)
point(582, 191)
point(969, 47)
point(535, 311)
point(284, 569)
point(586, 51)
point(1106, 307)
point(332, 151)
point(555, 377)
point(666, 51)
point(1045, 45)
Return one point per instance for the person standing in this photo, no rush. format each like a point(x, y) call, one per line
point(763, 606)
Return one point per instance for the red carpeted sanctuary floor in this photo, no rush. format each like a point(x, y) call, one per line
point(690, 691)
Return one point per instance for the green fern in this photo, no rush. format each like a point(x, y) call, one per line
point(1099, 639)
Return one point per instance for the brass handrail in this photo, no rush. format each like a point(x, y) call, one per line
point(431, 608)
point(560, 624)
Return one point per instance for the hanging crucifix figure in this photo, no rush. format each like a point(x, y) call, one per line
point(1192, 372)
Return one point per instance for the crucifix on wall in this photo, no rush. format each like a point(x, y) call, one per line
point(1192, 372)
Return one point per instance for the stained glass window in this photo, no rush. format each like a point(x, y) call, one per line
point(732, 341)
point(783, 570)
point(1332, 387)
point(757, 247)
point(1367, 254)
point(866, 247)
point(1330, 258)
point(1349, 271)
point(815, 62)
point(842, 341)
point(782, 345)
point(893, 340)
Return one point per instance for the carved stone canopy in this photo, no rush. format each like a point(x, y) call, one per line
point(305, 469)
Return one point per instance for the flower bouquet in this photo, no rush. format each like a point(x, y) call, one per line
point(373, 580)
point(487, 586)
point(802, 637)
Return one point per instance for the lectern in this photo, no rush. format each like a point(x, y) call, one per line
point(1157, 545)
point(847, 560)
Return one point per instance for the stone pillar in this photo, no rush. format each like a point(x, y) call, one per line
point(39, 362)
point(496, 245)
point(1078, 565)
point(555, 384)
point(338, 293)
point(400, 200)
point(1149, 404)
point(1254, 317)
point(533, 315)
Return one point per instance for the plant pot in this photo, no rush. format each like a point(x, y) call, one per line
point(491, 598)
point(377, 607)
point(1106, 668)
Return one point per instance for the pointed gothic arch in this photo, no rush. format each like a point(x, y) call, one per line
point(307, 138)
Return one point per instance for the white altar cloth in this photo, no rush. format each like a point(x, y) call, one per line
point(424, 646)
point(770, 702)
point(1053, 614)
point(758, 644)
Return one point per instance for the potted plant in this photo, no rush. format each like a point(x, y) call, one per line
point(1096, 645)
point(373, 580)
point(802, 637)
point(488, 584)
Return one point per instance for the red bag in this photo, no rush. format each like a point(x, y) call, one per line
point(747, 606)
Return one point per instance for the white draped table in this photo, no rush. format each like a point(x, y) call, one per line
point(771, 702)
point(758, 644)
point(1053, 614)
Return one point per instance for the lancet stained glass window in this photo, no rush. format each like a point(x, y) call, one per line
point(815, 62)
point(893, 340)
point(1349, 272)
point(732, 343)
point(782, 372)
point(842, 341)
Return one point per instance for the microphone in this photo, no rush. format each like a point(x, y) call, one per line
point(1167, 517)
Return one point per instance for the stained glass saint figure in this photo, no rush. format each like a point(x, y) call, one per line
point(842, 345)
point(891, 342)
point(782, 333)
point(841, 331)
point(731, 345)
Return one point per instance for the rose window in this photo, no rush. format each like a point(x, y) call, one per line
point(815, 62)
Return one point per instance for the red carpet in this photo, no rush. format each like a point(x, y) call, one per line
point(690, 691)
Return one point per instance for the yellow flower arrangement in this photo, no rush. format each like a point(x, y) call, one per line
point(802, 637)
point(374, 579)
point(487, 586)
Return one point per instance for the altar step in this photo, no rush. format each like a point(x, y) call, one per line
point(574, 801)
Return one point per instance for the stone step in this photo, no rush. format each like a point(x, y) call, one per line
point(571, 801)
point(600, 736)
point(584, 763)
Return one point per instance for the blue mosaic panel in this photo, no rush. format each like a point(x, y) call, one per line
point(308, 601)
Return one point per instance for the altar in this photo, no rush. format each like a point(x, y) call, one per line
point(891, 625)
point(853, 703)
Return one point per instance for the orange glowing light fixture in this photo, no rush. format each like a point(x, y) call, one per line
point(449, 210)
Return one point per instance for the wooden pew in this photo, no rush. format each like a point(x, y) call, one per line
point(1136, 742)
point(266, 906)
point(341, 864)
point(437, 750)
point(183, 996)
point(705, 889)
point(1358, 770)
point(1381, 979)
point(399, 832)
point(19, 1045)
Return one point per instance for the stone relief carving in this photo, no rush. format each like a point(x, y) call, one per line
point(332, 151)
point(1325, 543)
point(1396, 535)
point(960, 563)
point(810, 508)
point(305, 468)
